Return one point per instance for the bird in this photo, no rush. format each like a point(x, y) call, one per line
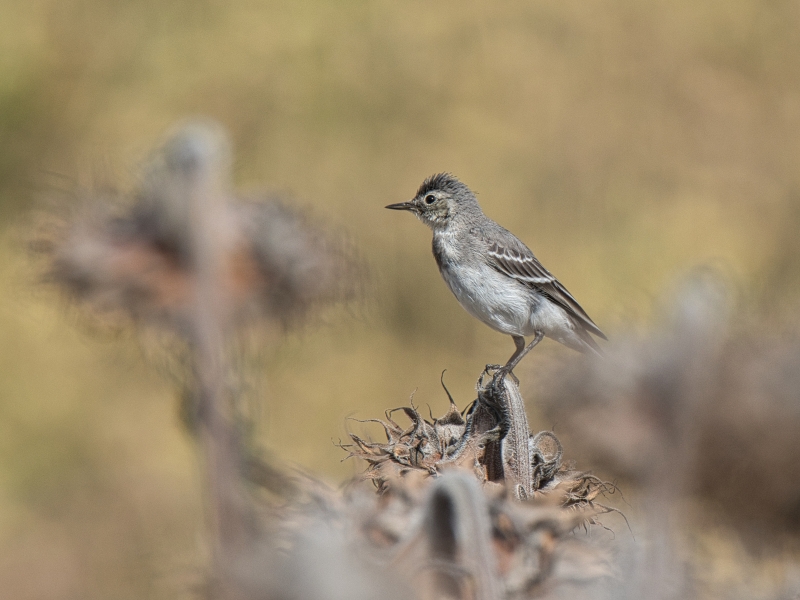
point(494, 275)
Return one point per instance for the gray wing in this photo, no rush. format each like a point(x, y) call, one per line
point(517, 261)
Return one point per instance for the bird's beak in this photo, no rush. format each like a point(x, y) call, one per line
point(403, 206)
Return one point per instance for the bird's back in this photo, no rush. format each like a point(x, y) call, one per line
point(507, 254)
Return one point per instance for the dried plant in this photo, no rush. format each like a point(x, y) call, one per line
point(135, 255)
point(470, 505)
point(465, 467)
point(700, 406)
point(184, 255)
point(491, 438)
point(424, 537)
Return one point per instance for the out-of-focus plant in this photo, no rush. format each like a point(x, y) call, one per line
point(146, 254)
point(704, 405)
point(183, 254)
point(702, 408)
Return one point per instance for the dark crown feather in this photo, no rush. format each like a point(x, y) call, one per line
point(444, 182)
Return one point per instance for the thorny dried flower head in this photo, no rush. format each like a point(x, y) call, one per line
point(465, 510)
point(141, 255)
point(475, 440)
point(425, 538)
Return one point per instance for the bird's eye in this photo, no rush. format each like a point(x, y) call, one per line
point(430, 199)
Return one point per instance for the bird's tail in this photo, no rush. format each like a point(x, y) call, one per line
point(585, 343)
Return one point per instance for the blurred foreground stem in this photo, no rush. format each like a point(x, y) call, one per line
point(198, 170)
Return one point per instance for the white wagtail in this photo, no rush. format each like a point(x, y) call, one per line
point(493, 275)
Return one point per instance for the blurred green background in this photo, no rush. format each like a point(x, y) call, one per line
point(623, 141)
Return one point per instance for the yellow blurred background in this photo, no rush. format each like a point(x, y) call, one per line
point(623, 141)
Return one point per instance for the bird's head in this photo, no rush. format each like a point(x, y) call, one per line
point(439, 200)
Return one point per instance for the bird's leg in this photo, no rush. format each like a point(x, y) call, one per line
point(502, 370)
point(519, 353)
point(519, 342)
point(522, 350)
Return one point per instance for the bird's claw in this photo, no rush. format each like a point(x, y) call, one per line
point(506, 371)
point(500, 373)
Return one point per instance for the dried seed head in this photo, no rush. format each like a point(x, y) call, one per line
point(463, 441)
point(141, 255)
point(184, 185)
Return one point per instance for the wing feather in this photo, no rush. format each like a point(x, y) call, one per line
point(519, 263)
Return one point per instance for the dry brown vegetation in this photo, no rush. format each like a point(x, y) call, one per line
point(624, 142)
point(471, 505)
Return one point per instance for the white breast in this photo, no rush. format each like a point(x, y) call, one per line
point(502, 303)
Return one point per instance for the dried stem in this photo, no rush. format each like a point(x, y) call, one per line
point(517, 467)
point(459, 533)
point(195, 171)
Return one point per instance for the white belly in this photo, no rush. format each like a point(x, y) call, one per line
point(500, 302)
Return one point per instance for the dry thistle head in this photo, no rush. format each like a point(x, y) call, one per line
point(141, 254)
point(467, 441)
point(425, 538)
point(450, 536)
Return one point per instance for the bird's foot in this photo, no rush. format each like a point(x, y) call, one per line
point(507, 371)
point(500, 373)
